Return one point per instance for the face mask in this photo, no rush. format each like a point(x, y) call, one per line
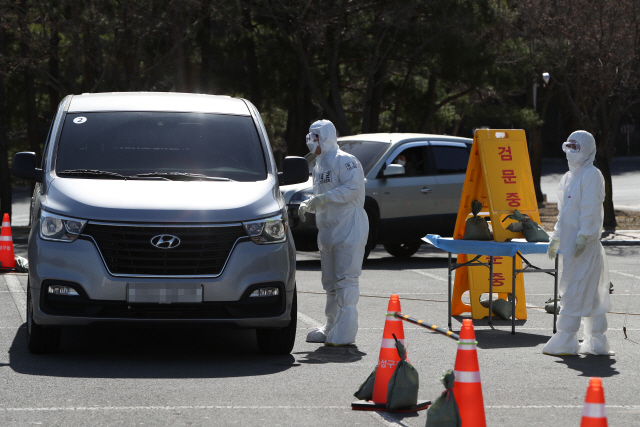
point(402, 162)
point(573, 157)
point(311, 144)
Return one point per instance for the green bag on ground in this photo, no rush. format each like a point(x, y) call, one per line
point(548, 305)
point(531, 230)
point(476, 227)
point(444, 411)
point(403, 386)
point(22, 264)
point(500, 307)
point(365, 392)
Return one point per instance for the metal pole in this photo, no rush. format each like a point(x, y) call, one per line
point(555, 296)
point(491, 291)
point(513, 295)
point(449, 291)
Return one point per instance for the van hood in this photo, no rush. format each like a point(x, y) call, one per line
point(152, 201)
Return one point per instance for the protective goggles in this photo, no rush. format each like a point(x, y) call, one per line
point(571, 146)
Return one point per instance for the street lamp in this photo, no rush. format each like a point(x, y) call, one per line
point(545, 77)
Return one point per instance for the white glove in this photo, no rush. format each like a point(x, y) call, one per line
point(553, 248)
point(581, 244)
point(311, 205)
point(302, 209)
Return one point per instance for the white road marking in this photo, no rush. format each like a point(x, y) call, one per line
point(387, 419)
point(309, 321)
point(18, 294)
point(621, 273)
point(387, 416)
point(431, 275)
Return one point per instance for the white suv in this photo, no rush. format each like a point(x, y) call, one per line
point(403, 202)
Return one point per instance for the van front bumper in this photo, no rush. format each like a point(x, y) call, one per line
point(103, 297)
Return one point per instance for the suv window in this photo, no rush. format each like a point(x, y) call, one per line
point(367, 152)
point(450, 160)
point(131, 143)
point(416, 162)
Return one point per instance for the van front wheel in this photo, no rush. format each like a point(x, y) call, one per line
point(40, 339)
point(280, 340)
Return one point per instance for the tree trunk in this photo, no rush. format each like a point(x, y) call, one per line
point(430, 105)
point(536, 161)
point(54, 71)
point(604, 164)
point(27, 72)
point(255, 91)
point(373, 98)
point(5, 175)
point(299, 116)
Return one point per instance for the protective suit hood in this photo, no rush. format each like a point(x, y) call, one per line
point(587, 152)
point(326, 132)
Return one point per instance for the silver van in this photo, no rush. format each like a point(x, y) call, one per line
point(160, 208)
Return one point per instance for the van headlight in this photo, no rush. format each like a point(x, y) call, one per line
point(266, 231)
point(59, 228)
point(301, 196)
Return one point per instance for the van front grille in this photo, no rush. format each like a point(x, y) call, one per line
point(127, 249)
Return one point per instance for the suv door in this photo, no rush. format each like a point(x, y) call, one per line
point(408, 203)
point(450, 161)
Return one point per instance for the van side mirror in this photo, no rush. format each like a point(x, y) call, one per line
point(24, 167)
point(294, 171)
point(393, 169)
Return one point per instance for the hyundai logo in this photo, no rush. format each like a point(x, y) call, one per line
point(165, 241)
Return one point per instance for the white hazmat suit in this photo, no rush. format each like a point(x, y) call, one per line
point(343, 227)
point(584, 285)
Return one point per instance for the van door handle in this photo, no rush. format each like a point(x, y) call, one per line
point(426, 190)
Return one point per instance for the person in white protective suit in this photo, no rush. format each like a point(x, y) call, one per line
point(584, 285)
point(343, 227)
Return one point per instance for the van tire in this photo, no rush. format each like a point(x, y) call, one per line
point(280, 340)
point(40, 339)
point(402, 250)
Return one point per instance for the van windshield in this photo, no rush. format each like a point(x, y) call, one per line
point(134, 143)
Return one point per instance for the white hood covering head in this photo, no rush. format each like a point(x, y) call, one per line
point(326, 132)
point(587, 152)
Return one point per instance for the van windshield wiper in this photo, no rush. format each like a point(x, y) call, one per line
point(92, 172)
point(183, 176)
point(102, 174)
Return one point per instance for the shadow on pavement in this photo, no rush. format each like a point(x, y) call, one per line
point(494, 338)
point(590, 366)
point(324, 354)
point(96, 352)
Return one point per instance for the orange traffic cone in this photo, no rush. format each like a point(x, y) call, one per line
point(7, 257)
point(387, 363)
point(389, 357)
point(467, 388)
point(593, 413)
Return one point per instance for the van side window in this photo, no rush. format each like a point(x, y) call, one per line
point(450, 160)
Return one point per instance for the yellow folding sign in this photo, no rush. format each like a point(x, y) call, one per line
point(498, 176)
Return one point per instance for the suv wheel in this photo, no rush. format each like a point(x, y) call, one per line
point(280, 340)
point(40, 339)
point(402, 250)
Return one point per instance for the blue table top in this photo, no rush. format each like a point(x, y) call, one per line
point(486, 247)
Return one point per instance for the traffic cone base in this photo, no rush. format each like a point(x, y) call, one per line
point(7, 256)
point(366, 405)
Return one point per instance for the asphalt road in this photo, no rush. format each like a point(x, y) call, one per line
point(217, 377)
point(625, 173)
